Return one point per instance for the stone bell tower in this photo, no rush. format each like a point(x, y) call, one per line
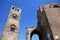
point(12, 25)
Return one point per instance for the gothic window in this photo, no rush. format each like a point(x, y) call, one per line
point(12, 28)
point(14, 16)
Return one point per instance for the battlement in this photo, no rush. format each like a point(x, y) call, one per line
point(51, 6)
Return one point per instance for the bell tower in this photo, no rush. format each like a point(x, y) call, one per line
point(12, 25)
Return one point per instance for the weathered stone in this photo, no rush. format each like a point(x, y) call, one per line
point(12, 25)
point(48, 23)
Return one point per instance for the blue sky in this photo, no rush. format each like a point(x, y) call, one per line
point(28, 15)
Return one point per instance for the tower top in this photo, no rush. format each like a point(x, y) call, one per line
point(15, 13)
point(51, 6)
point(13, 8)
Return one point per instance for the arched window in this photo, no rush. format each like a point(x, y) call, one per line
point(35, 37)
point(17, 9)
point(12, 28)
point(48, 36)
point(14, 16)
point(12, 7)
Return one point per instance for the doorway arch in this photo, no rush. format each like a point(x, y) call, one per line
point(36, 32)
